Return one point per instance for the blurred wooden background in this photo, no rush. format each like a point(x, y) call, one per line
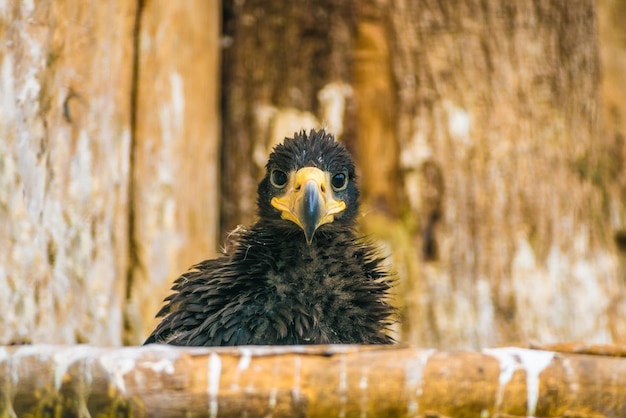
point(489, 137)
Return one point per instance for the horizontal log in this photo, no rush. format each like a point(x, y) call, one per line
point(311, 381)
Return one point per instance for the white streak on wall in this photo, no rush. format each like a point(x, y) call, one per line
point(7, 92)
point(558, 280)
point(416, 152)
point(275, 124)
point(485, 311)
point(332, 98)
point(80, 170)
point(27, 6)
point(459, 123)
point(178, 101)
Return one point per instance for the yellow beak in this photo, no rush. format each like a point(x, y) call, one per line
point(309, 201)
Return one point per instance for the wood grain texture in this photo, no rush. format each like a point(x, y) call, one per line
point(502, 168)
point(64, 127)
point(177, 159)
point(612, 39)
point(482, 163)
point(312, 381)
point(485, 171)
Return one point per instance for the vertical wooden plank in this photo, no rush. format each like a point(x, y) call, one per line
point(502, 99)
point(64, 139)
point(175, 193)
point(612, 42)
point(377, 151)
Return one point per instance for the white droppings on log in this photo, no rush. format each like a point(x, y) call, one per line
point(508, 365)
point(243, 365)
point(163, 365)
point(533, 362)
point(63, 359)
point(570, 373)
point(118, 364)
point(214, 374)
point(414, 376)
point(244, 360)
point(166, 358)
point(343, 385)
point(363, 385)
point(297, 371)
point(378, 379)
point(276, 350)
point(30, 351)
point(272, 399)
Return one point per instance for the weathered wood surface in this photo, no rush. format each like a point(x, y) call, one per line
point(65, 134)
point(314, 381)
point(176, 159)
point(476, 133)
point(504, 171)
point(612, 37)
point(109, 159)
point(285, 68)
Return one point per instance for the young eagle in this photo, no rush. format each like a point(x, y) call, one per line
point(300, 275)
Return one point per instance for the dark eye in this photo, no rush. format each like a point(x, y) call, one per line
point(339, 181)
point(278, 178)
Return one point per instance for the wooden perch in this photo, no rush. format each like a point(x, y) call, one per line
point(313, 381)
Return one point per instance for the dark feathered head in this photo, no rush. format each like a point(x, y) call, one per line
point(309, 184)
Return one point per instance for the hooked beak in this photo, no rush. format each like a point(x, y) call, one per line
point(308, 201)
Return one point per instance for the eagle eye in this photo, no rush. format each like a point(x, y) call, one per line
point(278, 178)
point(339, 181)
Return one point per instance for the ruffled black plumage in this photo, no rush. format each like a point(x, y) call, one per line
point(272, 287)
